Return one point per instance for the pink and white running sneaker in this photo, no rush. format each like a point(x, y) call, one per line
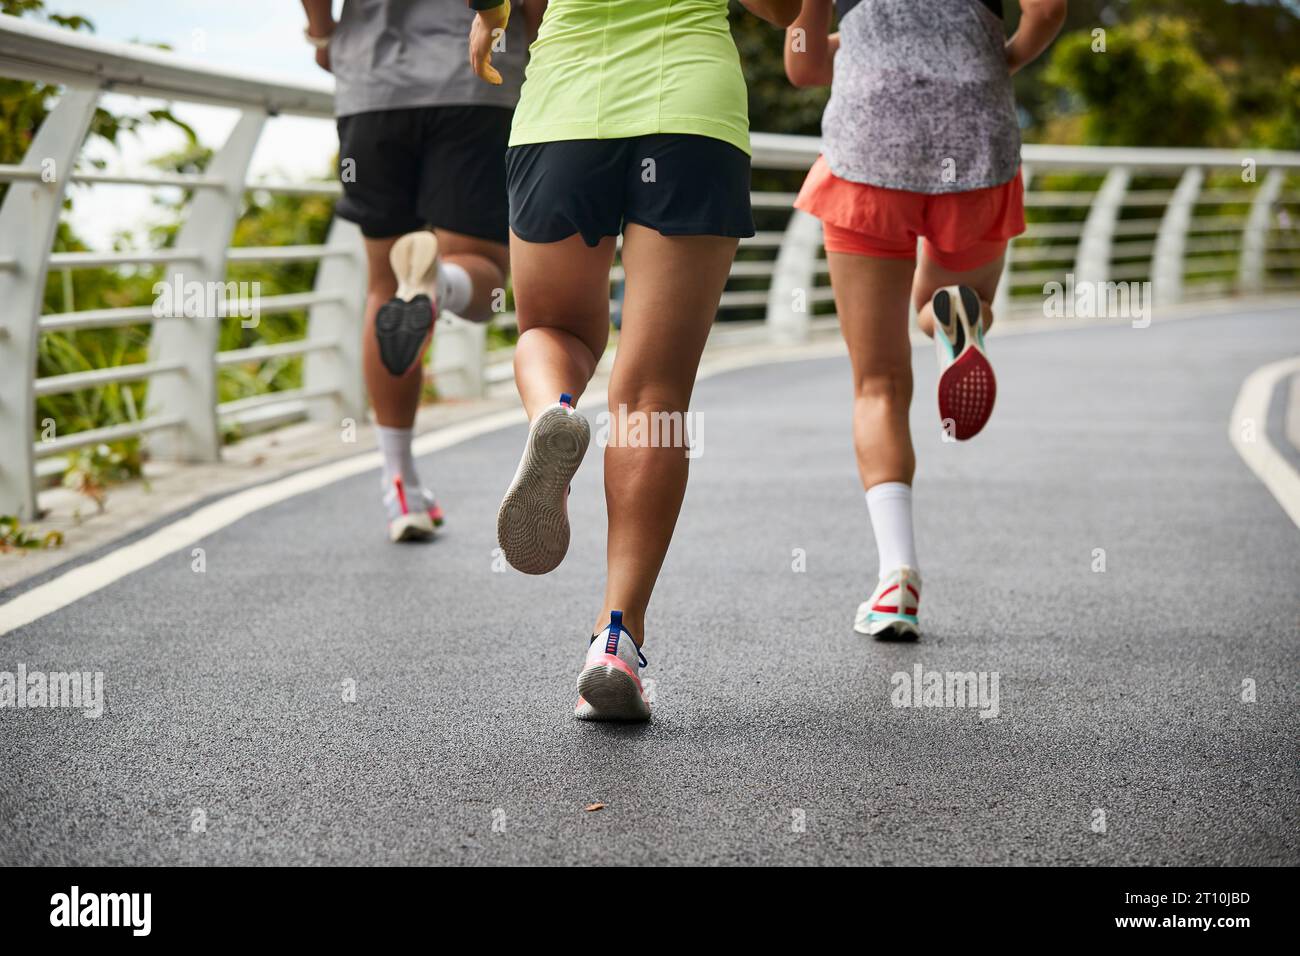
point(411, 520)
point(609, 686)
point(890, 614)
point(967, 386)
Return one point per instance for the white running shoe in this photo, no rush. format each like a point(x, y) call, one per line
point(405, 322)
point(890, 614)
point(609, 687)
point(411, 521)
point(967, 386)
point(533, 522)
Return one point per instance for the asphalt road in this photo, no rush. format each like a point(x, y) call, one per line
point(774, 738)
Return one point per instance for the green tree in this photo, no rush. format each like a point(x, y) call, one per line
point(1149, 86)
point(775, 106)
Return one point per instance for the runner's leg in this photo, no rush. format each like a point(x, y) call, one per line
point(671, 299)
point(485, 263)
point(871, 298)
point(931, 277)
point(562, 303)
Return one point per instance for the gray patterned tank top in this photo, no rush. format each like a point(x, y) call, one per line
point(921, 98)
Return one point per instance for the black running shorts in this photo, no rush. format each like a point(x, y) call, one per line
point(440, 166)
point(677, 184)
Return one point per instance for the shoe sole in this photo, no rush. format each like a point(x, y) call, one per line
point(892, 631)
point(414, 259)
point(610, 693)
point(967, 387)
point(412, 527)
point(533, 522)
point(404, 324)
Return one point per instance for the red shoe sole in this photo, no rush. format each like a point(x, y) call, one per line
point(967, 390)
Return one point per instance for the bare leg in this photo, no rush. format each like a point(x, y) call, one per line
point(672, 292)
point(397, 398)
point(487, 262)
point(871, 298)
point(562, 294)
point(394, 398)
point(931, 277)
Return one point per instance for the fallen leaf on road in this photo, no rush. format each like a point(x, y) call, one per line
point(593, 807)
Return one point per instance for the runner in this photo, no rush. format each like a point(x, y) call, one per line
point(420, 148)
point(633, 119)
point(919, 140)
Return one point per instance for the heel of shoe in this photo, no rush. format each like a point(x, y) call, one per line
point(414, 259)
point(611, 691)
point(973, 310)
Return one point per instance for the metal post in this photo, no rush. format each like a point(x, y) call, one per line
point(1171, 240)
point(28, 221)
point(190, 340)
point(1092, 262)
point(794, 275)
point(1254, 238)
point(342, 274)
point(460, 357)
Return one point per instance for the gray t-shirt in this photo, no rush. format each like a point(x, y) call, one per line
point(397, 54)
point(921, 98)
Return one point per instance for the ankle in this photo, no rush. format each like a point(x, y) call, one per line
point(633, 624)
point(399, 460)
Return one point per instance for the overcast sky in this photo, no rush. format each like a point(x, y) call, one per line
point(260, 36)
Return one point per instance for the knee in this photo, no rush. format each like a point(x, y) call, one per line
point(379, 289)
point(646, 397)
point(585, 343)
point(890, 386)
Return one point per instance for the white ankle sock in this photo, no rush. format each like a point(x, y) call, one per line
point(455, 289)
point(395, 445)
point(890, 505)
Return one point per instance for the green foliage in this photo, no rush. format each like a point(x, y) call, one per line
point(91, 470)
point(774, 105)
point(1149, 86)
point(273, 220)
point(1275, 117)
point(268, 219)
point(14, 537)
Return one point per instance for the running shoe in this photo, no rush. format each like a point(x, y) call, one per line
point(533, 522)
point(890, 613)
point(403, 323)
point(609, 687)
point(967, 387)
point(411, 520)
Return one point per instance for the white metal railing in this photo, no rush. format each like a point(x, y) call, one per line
point(1181, 239)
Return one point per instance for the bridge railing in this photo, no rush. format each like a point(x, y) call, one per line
point(1191, 222)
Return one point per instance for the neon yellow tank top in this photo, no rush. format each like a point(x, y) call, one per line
point(612, 69)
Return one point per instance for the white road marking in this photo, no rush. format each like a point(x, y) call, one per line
point(73, 585)
point(90, 577)
point(1248, 432)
